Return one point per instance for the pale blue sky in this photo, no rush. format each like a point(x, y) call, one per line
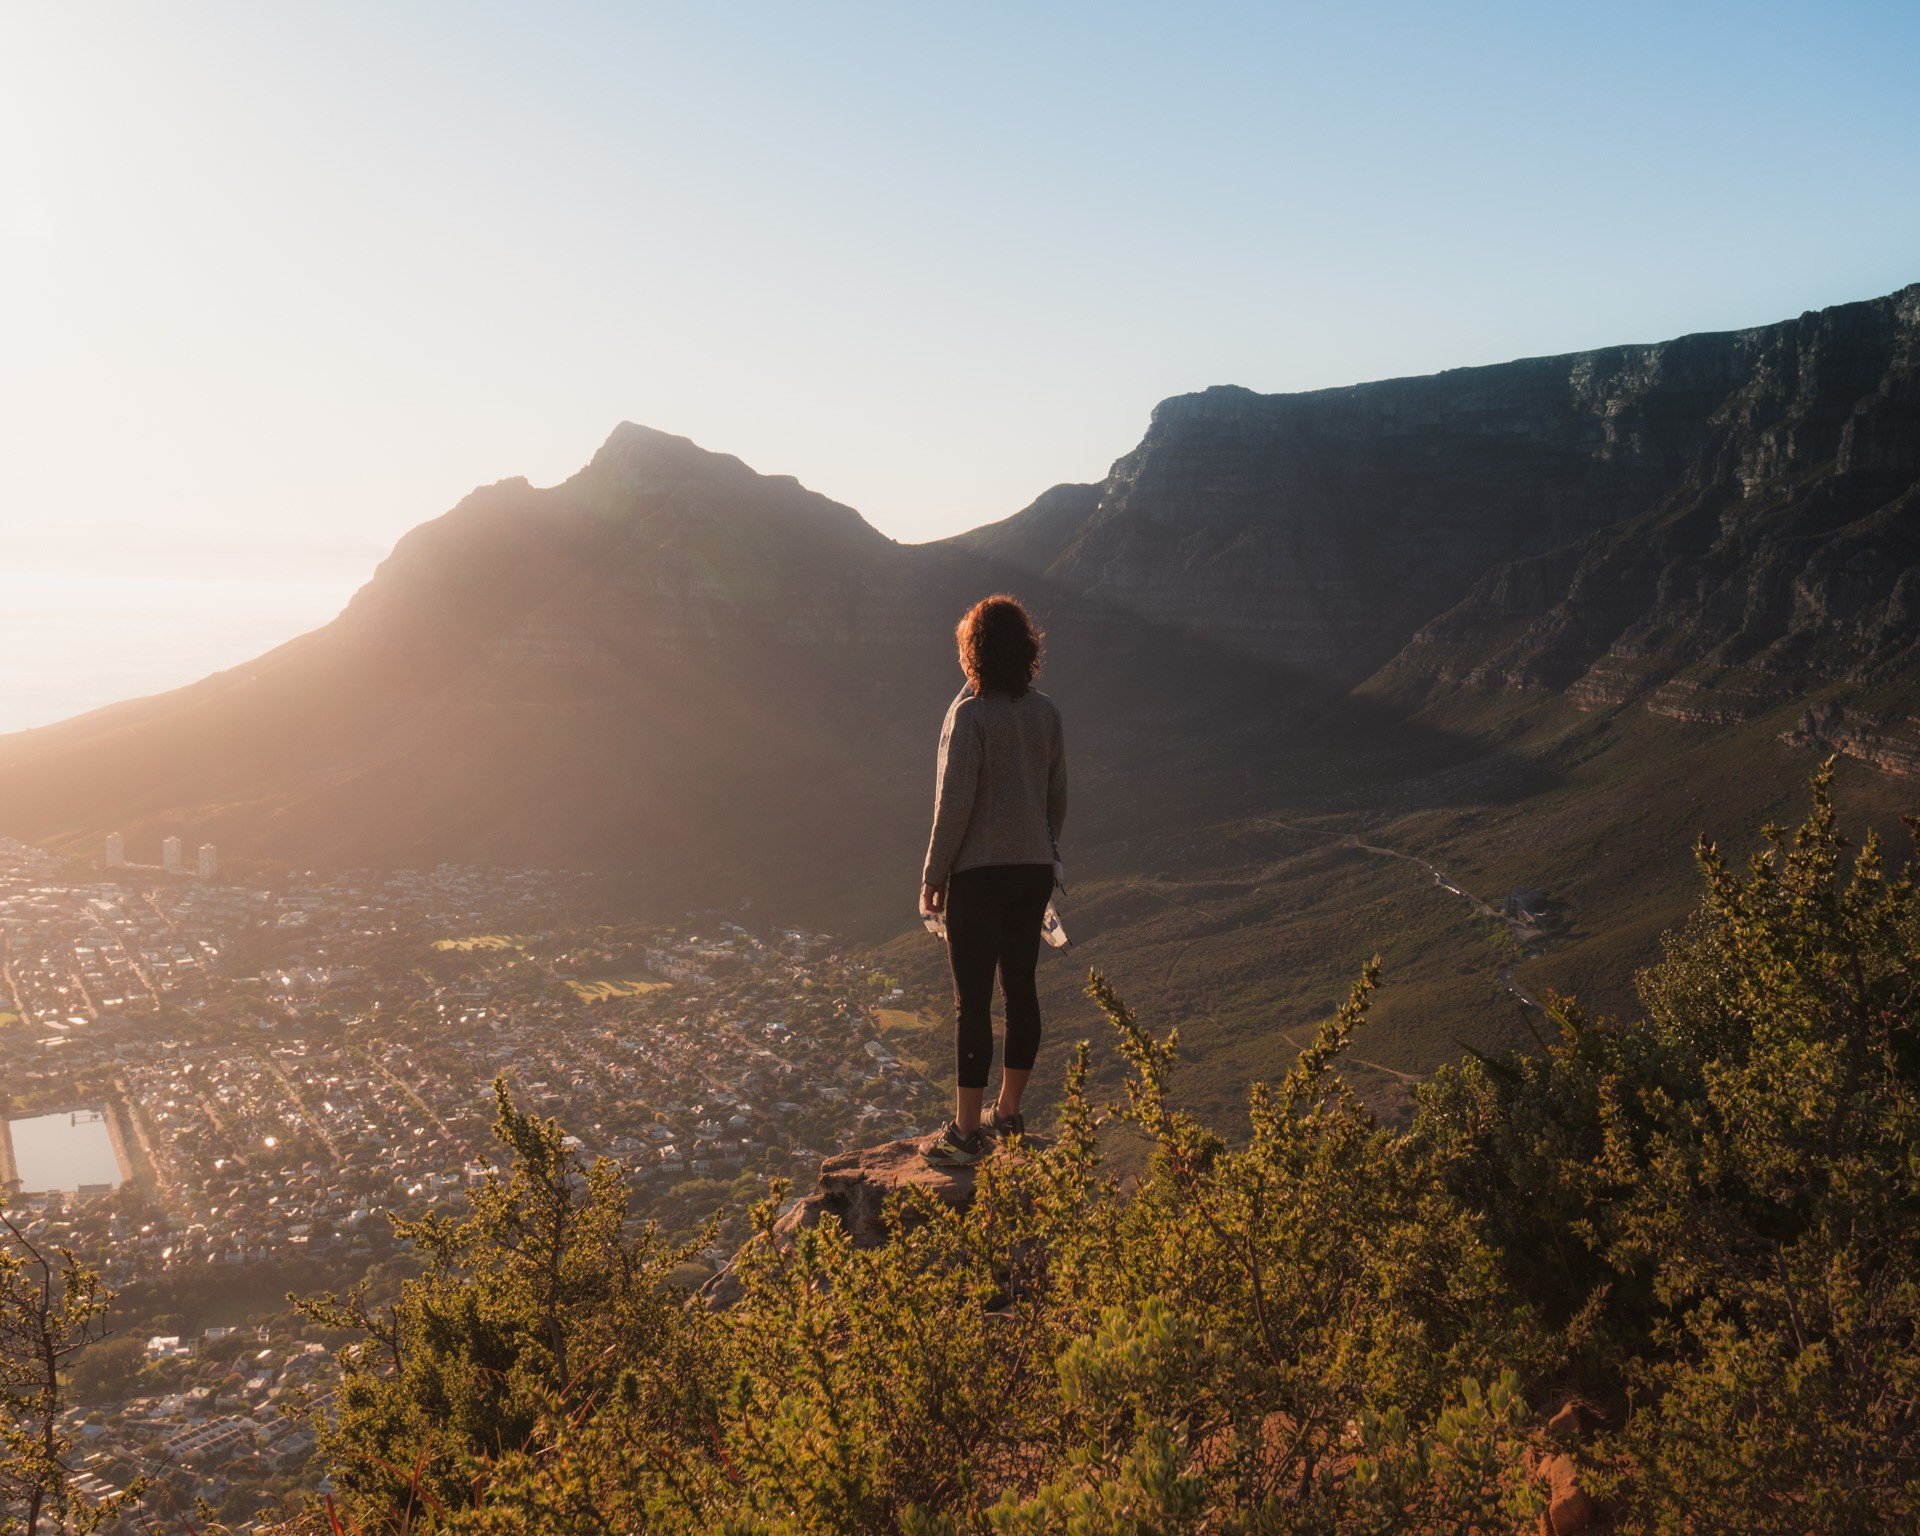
point(282, 280)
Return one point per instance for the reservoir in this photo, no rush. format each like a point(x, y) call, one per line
point(64, 1151)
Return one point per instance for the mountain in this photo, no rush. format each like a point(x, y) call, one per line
point(670, 665)
point(1322, 656)
point(1722, 512)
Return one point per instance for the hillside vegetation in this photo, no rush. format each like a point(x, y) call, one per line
point(1703, 1221)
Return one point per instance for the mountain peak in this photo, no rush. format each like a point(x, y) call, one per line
point(629, 436)
point(644, 459)
point(641, 467)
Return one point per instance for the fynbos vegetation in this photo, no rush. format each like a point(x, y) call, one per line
point(1703, 1222)
point(52, 1306)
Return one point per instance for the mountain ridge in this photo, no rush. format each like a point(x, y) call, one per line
point(665, 642)
point(1605, 434)
point(1255, 522)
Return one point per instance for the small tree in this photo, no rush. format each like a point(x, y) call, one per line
point(48, 1313)
point(529, 1310)
point(1721, 1200)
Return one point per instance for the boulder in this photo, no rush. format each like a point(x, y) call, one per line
point(1574, 1421)
point(1569, 1507)
point(852, 1190)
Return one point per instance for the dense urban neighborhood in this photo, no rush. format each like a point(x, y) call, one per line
point(215, 1091)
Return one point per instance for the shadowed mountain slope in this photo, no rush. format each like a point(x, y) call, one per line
point(1783, 559)
point(674, 665)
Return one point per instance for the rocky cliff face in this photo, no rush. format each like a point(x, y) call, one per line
point(1890, 744)
point(1320, 529)
point(1717, 513)
point(1783, 557)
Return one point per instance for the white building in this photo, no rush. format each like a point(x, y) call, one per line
point(116, 848)
point(170, 855)
point(209, 861)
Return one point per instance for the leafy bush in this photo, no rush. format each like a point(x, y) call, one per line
point(53, 1307)
point(1706, 1221)
point(1724, 1197)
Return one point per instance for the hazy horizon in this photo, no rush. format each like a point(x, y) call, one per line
point(284, 284)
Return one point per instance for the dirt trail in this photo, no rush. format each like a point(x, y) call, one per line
point(1524, 933)
point(1205, 1011)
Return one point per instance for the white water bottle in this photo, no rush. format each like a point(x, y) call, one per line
point(1052, 929)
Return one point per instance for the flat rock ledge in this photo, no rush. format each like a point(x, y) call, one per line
point(852, 1189)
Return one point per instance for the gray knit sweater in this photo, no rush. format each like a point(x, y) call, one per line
point(1000, 789)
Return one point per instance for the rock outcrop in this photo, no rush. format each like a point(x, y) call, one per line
point(1570, 1509)
point(1890, 745)
point(853, 1190)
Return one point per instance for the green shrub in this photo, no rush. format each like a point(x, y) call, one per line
point(1707, 1220)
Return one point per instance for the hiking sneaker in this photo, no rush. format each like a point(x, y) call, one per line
point(996, 1126)
point(955, 1150)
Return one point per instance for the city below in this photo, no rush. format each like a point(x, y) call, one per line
point(213, 1092)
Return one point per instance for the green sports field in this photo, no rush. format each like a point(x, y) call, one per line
point(610, 987)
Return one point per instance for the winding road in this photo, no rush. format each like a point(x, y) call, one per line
point(1206, 1011)
point(1525, 934)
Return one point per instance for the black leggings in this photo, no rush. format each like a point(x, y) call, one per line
point(994, 913)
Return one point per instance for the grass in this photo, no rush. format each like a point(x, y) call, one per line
point(611, 987)
point(1246, 934)
point(1247, 959)
point(481, 941)
point(921, 1040)
point(1613, 838)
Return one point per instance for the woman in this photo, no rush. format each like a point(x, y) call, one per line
point(1000, 796)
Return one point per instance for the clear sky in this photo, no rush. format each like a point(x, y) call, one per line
point(279, 280)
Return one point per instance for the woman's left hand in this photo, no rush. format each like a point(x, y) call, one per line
point(932, 899)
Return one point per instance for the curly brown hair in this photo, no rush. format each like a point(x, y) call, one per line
point(999, 645)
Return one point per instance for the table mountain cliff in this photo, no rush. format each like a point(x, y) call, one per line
point(1724, 512)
